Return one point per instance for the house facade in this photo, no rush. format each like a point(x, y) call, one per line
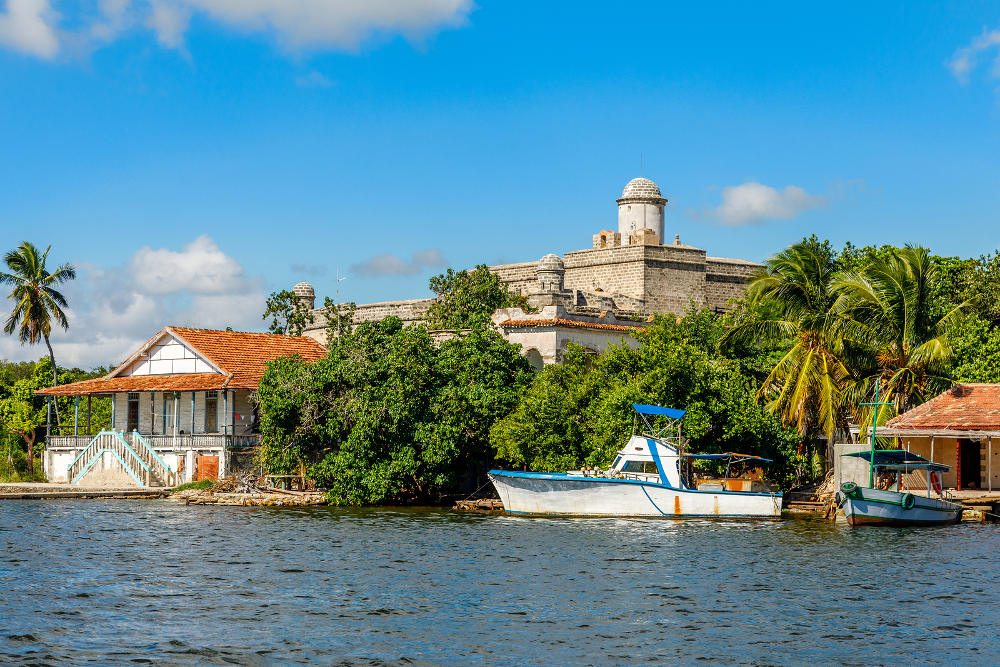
point(182, 409)
point(956, 428)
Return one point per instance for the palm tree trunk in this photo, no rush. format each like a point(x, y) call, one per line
point(55, 380)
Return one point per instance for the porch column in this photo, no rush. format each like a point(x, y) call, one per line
point(222, 462)
point(48, 421)
point(989, 461)
point(232, 415)
point(192, 413)
point(152, 413)
point(225, 410)
point(113, 411)
point(190, 465)
point(958, 464)
point(177, 412)
point(89, 432)
point(76, 416)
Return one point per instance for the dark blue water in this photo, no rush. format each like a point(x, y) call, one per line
point(114, 582)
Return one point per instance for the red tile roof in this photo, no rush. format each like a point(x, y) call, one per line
point(241, 356)
point(560, 322)
point(964, 407)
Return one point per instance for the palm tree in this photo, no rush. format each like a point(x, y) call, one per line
point(36, 301)
point(806, 386)
point(889, 314)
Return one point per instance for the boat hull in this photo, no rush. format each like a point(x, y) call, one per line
point(569, 495)
point(876, 507)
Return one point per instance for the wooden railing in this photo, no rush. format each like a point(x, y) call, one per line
point(136, 457)
point(167, 442)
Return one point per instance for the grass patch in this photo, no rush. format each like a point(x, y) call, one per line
point(196, 486)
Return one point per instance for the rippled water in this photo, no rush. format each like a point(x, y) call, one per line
point(150, 581)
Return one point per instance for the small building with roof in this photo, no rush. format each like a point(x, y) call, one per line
point(956, 428)
point(182, 409)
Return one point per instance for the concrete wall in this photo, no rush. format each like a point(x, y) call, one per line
point(521, 277)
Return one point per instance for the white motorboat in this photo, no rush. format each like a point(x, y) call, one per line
point(650, 477)
point(869, 506)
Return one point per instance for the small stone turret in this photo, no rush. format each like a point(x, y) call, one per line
point(550, 273)
point(641, 207)
point(305, 293)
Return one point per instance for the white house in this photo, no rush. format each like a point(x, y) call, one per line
point(181, 409)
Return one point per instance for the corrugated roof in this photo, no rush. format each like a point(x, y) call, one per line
point(241, 356)
point(968, 407)
point(560, 322)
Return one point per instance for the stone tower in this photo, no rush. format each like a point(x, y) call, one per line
point(304, 292)
point(550, 273)
point(640, 208)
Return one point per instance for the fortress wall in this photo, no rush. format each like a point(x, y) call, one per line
point(611, 270)
point(409, 310)
point(675, 277)
point(521, 277)
point(726, 279)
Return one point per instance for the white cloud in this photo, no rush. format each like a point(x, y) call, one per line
point(754, 202)
point(394, 265)
point(33, 27)
point(26, 26)
point(965, 59)
point(116, 309)
point(201, 267)
point(169, 21)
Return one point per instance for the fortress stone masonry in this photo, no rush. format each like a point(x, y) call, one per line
point(627, 275)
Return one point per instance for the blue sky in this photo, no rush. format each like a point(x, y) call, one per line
point(192, 155)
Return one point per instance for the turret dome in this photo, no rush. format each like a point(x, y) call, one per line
point(304, 290)
point(641, 189)
point(551, 262)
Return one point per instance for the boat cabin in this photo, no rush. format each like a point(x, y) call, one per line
point(657, 454)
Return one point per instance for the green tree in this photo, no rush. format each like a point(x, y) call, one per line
point(469, 298)
point(793, 293)
point(36, 301)
point(388, 415)
point(579, 412)
point(888, 310)
point(975, 345)
point(22, 413)
point(289, 314)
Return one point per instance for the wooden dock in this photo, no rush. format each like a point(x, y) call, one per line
point(481, 505)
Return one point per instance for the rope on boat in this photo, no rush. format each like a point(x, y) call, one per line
point(477, 490)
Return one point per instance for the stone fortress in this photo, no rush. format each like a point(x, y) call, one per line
point(612, 287)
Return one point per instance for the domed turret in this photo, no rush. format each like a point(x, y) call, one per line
point(550, 273)
point(305, 293)
point(641, 208)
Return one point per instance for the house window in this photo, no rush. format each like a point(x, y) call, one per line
point(132, 415)
point(211, 412)
point(169, 412)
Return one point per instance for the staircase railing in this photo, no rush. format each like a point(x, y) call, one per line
point(114, 443)
point(167, 476)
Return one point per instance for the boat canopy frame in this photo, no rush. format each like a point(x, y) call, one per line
point(648, 413)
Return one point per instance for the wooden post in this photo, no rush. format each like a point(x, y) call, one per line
point(89, 431)
point(225, 411)
point(989, 461)
point(192, 413)
point(152, 413)
point(48, 422)
point(958, 464)
point(76, 416)
point(113, 411)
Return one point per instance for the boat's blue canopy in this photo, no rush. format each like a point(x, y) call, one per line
point(657, 410)
point(898, 459)
point(726, 455)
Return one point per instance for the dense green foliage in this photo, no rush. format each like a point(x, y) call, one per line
point(388, 415)
point(466, 299)
point(289, 314)
point(23, 414)
point(578, 412)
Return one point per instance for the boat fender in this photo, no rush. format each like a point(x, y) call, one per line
point(907, 501)
point(850, 490)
